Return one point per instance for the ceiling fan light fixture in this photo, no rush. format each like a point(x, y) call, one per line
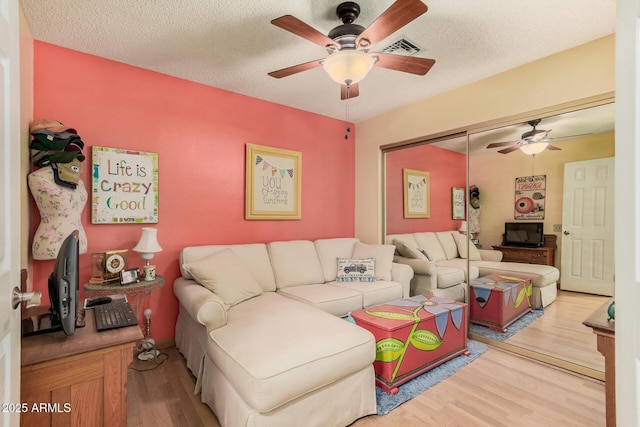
point(348, 67)
point(534, 148)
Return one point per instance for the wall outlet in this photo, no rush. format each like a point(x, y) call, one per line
point(557, 228)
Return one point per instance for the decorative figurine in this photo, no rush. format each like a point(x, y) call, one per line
point(611, 311)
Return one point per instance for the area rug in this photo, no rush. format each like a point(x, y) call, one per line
point(386, 402)
point(512, 329)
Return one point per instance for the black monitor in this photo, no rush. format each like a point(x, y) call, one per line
point(63, 285)
point(63, 291)
point(526, 234)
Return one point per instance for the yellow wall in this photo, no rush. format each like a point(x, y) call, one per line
point(578, 73)
point(494, 174)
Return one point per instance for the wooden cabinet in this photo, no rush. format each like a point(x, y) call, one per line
point(605, 329)
point(543, 255)
point(79, 380)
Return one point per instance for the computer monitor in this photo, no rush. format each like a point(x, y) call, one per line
point(63, 285)
point(63, 291)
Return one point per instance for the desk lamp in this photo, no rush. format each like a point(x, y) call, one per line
point(148, 244)
point(463, 229)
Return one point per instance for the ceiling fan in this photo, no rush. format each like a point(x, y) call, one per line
point(348, 45)
point(531, 142)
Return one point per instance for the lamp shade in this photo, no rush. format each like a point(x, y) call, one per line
point(349, 66)
point(533, 149)
point(148, 244)
point(463, 227)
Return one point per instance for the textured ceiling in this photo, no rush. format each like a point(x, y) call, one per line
point(232, 45)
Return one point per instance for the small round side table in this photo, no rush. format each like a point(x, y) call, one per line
point(137, 291)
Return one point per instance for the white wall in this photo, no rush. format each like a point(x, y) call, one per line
point(26, 114)
point(627, 291)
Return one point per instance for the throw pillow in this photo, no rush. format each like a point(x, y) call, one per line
point(356, 270)
point(383, 254)
point(407, 251)
point(461, 243)
point(224, 274)
point(426, 254)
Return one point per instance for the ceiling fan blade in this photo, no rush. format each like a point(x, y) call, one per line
point(562, 138)
point(395, 17)
point(407, 64)
point(509, 150)
point(296, 69)
point(299, 28)
point(502, 144)
point(553, 147)
point(354, 91)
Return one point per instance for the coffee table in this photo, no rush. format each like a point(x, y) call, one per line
point(497, 300)
point(413, 335)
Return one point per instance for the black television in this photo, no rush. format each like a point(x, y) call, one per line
point(526, 234)
point(63, 292)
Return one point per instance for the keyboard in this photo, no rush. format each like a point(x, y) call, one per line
point(114, 315)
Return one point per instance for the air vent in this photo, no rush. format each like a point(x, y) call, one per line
point(401, 47)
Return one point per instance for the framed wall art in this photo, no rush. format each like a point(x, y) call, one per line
point(124, 186)
point(530, 197)
point(416, 193)
point(273, 183)
point(457, 203)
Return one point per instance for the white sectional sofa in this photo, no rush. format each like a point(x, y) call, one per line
point(439, 261)
point(260, 327)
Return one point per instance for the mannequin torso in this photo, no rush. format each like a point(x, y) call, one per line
point(60, 212)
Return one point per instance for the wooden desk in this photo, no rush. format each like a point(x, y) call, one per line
point(79, 380)
point(606, 332)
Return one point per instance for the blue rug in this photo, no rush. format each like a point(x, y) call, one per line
point(512, 329)
point(386, 402)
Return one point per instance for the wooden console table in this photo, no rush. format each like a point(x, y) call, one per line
point(79, 380)
point(541, 255)
point(606, 332)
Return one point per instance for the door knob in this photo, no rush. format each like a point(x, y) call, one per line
point(19, 297)
point(566, 233)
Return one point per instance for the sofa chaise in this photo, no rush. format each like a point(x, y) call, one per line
point(439, 261)
point(261, 328)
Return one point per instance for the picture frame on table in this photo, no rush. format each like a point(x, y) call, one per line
point(130, 276)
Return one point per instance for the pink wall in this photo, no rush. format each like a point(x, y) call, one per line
point(446, 169)
point(200, 134)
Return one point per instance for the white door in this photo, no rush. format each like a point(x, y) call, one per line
point(587, 261)
point(9, 211)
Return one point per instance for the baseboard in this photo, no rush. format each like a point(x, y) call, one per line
point(549, 360)
point(165, 343)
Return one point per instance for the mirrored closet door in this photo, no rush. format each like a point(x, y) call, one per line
point(581, 132)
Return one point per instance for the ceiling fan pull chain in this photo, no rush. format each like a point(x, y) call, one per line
point(346, 135)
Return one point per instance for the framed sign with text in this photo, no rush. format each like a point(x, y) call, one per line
point(416, 193)
point(124, 186)
point(530, 197)
point(273, 183)
point(457, 203)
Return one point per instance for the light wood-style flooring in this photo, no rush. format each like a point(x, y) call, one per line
point(560, 333)
point(497, 389)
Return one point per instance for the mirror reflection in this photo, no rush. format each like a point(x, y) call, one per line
point(554, 172)
point(422, 241)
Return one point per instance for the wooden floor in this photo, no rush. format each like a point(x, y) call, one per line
point(560, 333)
point(496, 389)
